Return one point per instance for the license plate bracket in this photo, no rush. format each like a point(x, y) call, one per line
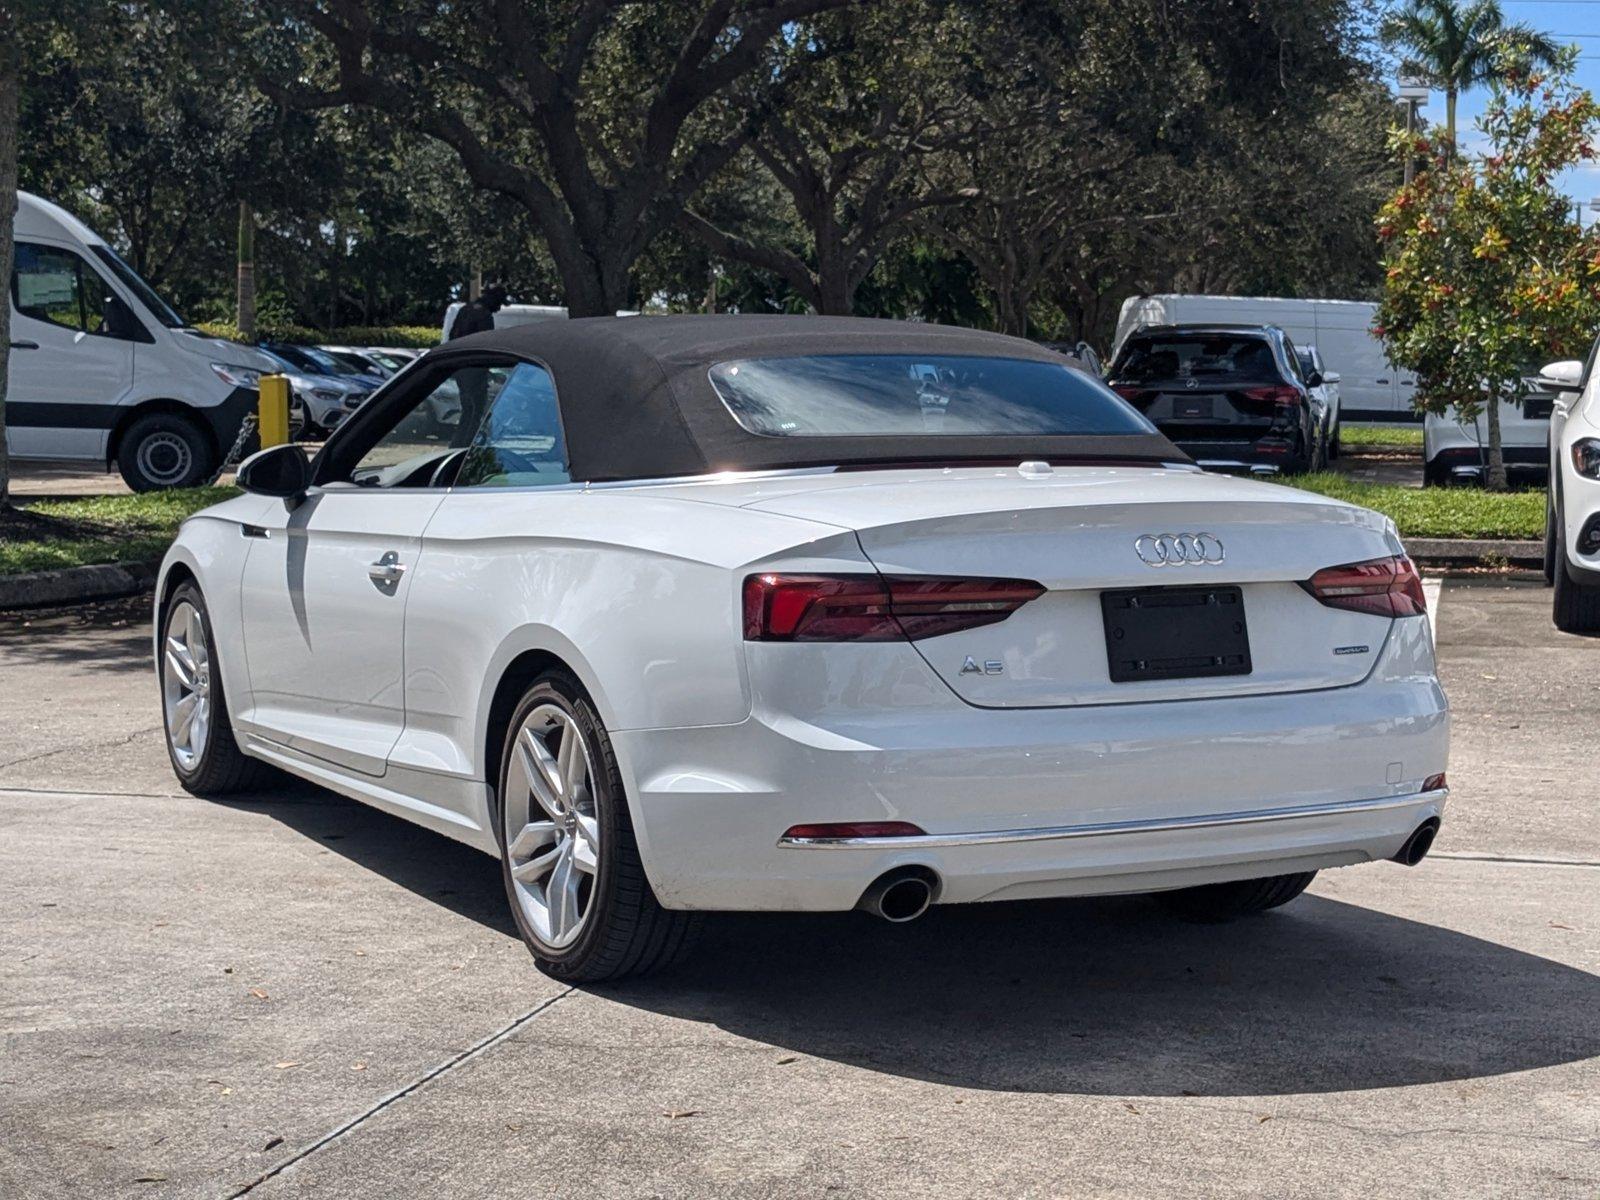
point(1175, 633)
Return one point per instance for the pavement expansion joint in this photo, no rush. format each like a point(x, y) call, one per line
point(432, 1073)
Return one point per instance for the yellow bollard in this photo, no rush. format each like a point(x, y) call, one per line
point(274, 410)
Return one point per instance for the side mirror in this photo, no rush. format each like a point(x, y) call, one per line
point(1314, 379)
point(1564, 376)
point(1332, 377)
point(282, 471)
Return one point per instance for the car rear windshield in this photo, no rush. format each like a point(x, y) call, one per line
point(900, 395)
point(1206, 358)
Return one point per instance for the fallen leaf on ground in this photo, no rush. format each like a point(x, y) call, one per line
point(258, 993)
point(1559, 925)
point(1131, 1109)
point(1263, 1120)
point(675, 1114)
point(284, 1066)
point(787, 1059)
point(277, 1141)
point(358, 1066)
point(153, 1177)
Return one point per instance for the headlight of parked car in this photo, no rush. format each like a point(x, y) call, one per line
point(245, 377)
point(1586, 457)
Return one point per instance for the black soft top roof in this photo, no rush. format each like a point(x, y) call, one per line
point(637, 402)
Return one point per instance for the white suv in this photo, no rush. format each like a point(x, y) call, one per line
point(1572, 524)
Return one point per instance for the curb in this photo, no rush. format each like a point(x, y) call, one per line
point(1473, 551)
point(77, 585)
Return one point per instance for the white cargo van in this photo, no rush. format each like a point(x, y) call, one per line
point(1370, 387)
point(102, 369)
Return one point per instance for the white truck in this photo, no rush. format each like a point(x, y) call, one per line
point(104, 371)
point(1370, 387)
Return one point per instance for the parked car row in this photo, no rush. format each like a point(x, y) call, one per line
point(1572, 505)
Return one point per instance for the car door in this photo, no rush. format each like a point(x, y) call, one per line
point(497, 538)
point(69, 368)
point(323, 593)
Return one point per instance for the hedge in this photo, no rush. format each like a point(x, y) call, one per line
point(419, 336)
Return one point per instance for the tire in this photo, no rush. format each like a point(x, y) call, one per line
point(1550, 552)
point(164, 450)
point(1333, 442)
point(1215, 902)
point(610, 924)
point(1576, 606)
point(1434, 475)
point(211, 763)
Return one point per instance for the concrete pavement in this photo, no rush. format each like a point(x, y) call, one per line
point(295, 995)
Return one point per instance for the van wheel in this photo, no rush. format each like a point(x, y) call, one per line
point(164, 450)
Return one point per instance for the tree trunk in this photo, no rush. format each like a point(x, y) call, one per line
point(1496, 481)
point(9, 84)
point(245, 314)
point(1450, 120)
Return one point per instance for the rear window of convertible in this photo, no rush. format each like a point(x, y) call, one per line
point(914, 395)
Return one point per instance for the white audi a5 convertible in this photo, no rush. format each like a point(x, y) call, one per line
point(794, 613)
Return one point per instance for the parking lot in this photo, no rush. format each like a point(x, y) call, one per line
point(296, 995)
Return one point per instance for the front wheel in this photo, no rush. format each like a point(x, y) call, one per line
point(1214, 902)
point(205, 754)
point(571, 866)
point(1550, 551)
point(1576, 606)
point(164, 450)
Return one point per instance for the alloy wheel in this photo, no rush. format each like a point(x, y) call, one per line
point(552, 828)
point(186, 685)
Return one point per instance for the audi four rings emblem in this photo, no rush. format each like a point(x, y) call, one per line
point(1179, 549)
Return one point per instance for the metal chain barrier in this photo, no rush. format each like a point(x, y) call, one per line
point(247, 429)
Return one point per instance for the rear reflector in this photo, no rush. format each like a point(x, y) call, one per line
point(1434, 782)
point(875, 608)
point(855, 829)
point(1385, 587)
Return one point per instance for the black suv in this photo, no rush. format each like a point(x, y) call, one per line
point(1233, 397)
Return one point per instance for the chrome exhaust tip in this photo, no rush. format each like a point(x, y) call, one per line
point(1416, 846)
point(900, 895)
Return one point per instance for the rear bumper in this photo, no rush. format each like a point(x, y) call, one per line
point(1044, 802)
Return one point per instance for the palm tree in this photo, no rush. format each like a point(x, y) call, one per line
point(1457, 44)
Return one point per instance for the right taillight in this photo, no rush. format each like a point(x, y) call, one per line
point(875, 608)
point(1385, 587)
point(1282, 396)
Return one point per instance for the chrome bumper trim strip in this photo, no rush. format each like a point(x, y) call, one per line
point(1113, 828)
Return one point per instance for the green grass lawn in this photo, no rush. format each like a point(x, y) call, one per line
point(1437, 512)
point(49, 534)
point(1363, 437)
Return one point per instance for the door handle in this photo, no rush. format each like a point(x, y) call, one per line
point(386, 572)
point(1383, 381)
point(24, 345)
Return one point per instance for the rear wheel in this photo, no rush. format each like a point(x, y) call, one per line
point(568, 856)
point(1435, 475)
point(1224, 901)
point(1576, 607)
point(1333, 442)
point(201, 745)
point(164, 450)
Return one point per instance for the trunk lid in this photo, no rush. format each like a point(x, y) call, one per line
point(1075, 531)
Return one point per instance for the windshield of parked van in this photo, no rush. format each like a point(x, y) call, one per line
point(129, 278)
point(892, 395)
point(1205, 358)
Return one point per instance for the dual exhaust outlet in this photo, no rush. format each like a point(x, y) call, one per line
point(904, 893)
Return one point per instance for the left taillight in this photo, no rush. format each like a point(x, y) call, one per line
point(1384, 587)
point(875, 608)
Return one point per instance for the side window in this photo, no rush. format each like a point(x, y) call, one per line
point(519, 443)
point(55, 285)
point(444, 419)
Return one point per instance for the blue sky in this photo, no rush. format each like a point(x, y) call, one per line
point(1576, 21)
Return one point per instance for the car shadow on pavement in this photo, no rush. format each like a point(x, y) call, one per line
point(1103, 997)
point(1112, 997)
